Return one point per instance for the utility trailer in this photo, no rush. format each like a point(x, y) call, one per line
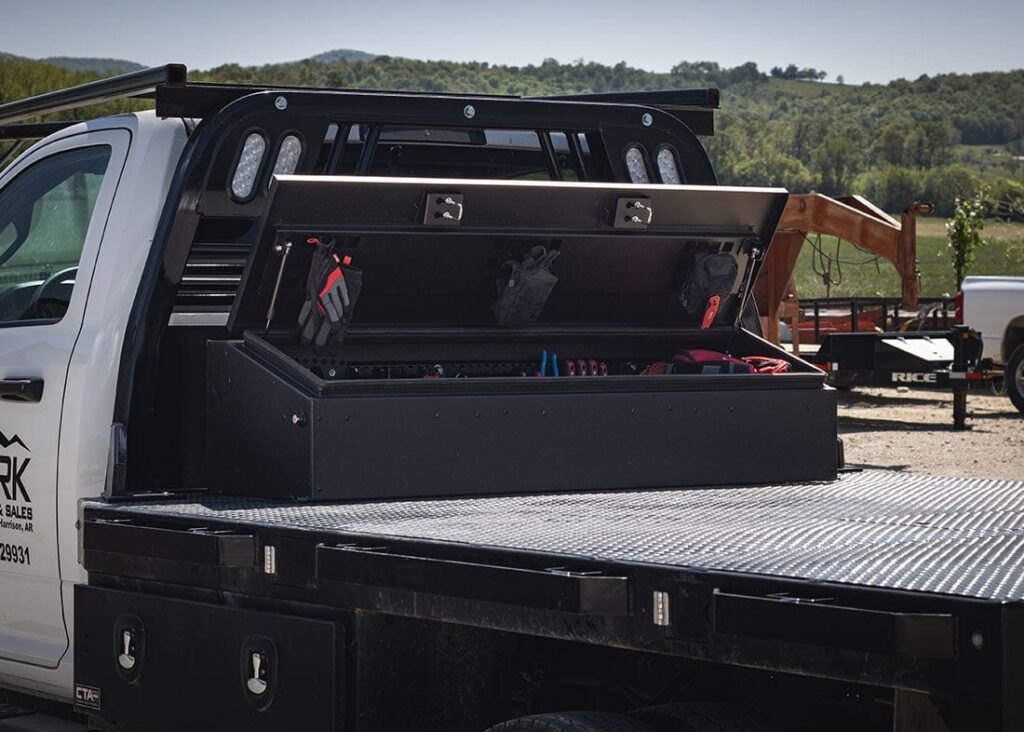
point(439, 516)
point(875, 346)
point(950, 360)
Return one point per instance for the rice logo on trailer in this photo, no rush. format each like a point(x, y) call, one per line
point(12, 468)
point(912, 377)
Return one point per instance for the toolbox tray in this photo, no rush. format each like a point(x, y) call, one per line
point(285, 421)
point(279, 430)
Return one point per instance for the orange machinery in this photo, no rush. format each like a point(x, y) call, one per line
point(850, 218)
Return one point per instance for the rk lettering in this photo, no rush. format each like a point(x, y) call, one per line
point(11, 470)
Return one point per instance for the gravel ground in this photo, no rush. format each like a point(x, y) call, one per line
point(913, 431)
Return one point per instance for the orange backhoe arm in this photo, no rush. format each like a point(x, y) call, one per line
point(850, 218)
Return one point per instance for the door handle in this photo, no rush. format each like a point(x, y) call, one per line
point(21, 390)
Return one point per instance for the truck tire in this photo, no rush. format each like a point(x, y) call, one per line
point(573, 722)
point(1015, 377)
point(700, 717)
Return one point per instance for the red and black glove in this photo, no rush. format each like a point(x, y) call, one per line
point(332, 289)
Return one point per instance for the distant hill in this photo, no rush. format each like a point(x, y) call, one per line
point(96, 65)
point(932, 138)
point(343, 54)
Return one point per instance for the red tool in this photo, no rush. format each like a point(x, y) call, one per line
point(712, 310)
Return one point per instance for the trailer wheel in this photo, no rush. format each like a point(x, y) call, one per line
point(700, 717)
point(1014, 380)
point(573, 722)
point(839, 383)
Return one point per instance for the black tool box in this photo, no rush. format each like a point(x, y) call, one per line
point(429, 396)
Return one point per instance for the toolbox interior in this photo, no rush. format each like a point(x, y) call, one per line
point(456, 354)
point(428, 395)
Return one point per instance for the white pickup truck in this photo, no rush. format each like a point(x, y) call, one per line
point(208, 522)
point(994, 306)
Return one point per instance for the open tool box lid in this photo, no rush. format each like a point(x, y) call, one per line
point(431, 250)
point(316, 430)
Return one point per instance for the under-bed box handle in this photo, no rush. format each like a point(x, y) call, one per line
point(822, 623)
point(558, 589)
point(194, 545)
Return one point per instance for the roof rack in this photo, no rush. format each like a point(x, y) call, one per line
point(175, 97)
point(33, 130)
point(695, 107)
point(135, 84)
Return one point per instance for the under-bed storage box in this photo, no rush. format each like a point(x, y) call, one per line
point(427, 396)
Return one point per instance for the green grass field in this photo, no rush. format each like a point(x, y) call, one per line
point(1003, 255)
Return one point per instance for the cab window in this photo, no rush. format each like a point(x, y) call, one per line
point(44, 219)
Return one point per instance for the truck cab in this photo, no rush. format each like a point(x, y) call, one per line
point(77, 213)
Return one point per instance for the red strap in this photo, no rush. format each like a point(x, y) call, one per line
point(711, 312)
point(767, 365)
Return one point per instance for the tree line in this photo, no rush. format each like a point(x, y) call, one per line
point(894, 142)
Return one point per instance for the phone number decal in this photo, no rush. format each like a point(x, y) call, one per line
point(14, 554)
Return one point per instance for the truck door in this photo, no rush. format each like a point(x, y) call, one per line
point(53, 211)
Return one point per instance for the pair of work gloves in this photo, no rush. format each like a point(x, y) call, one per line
point(524, 287)
point(332, 289)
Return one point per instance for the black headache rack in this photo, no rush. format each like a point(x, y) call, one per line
point(207, 231)
point(615, 311)
point(176, 97)
point(428, 397)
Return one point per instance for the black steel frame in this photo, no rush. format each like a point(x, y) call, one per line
point(33, 130)
point(199, 188)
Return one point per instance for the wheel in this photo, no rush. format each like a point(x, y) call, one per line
point(700, 717)
point(1015, 377)
point(839, 383)
point(573, 722)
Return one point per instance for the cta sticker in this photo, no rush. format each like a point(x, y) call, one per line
point(87, 696)
point(15, 459)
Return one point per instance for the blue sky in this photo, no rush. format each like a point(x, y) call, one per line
point(864, 40)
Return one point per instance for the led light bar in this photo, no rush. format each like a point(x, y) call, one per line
point(248, 167)
point(636, 165)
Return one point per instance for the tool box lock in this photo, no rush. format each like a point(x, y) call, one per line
point(129, 647)
point(259, 671)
